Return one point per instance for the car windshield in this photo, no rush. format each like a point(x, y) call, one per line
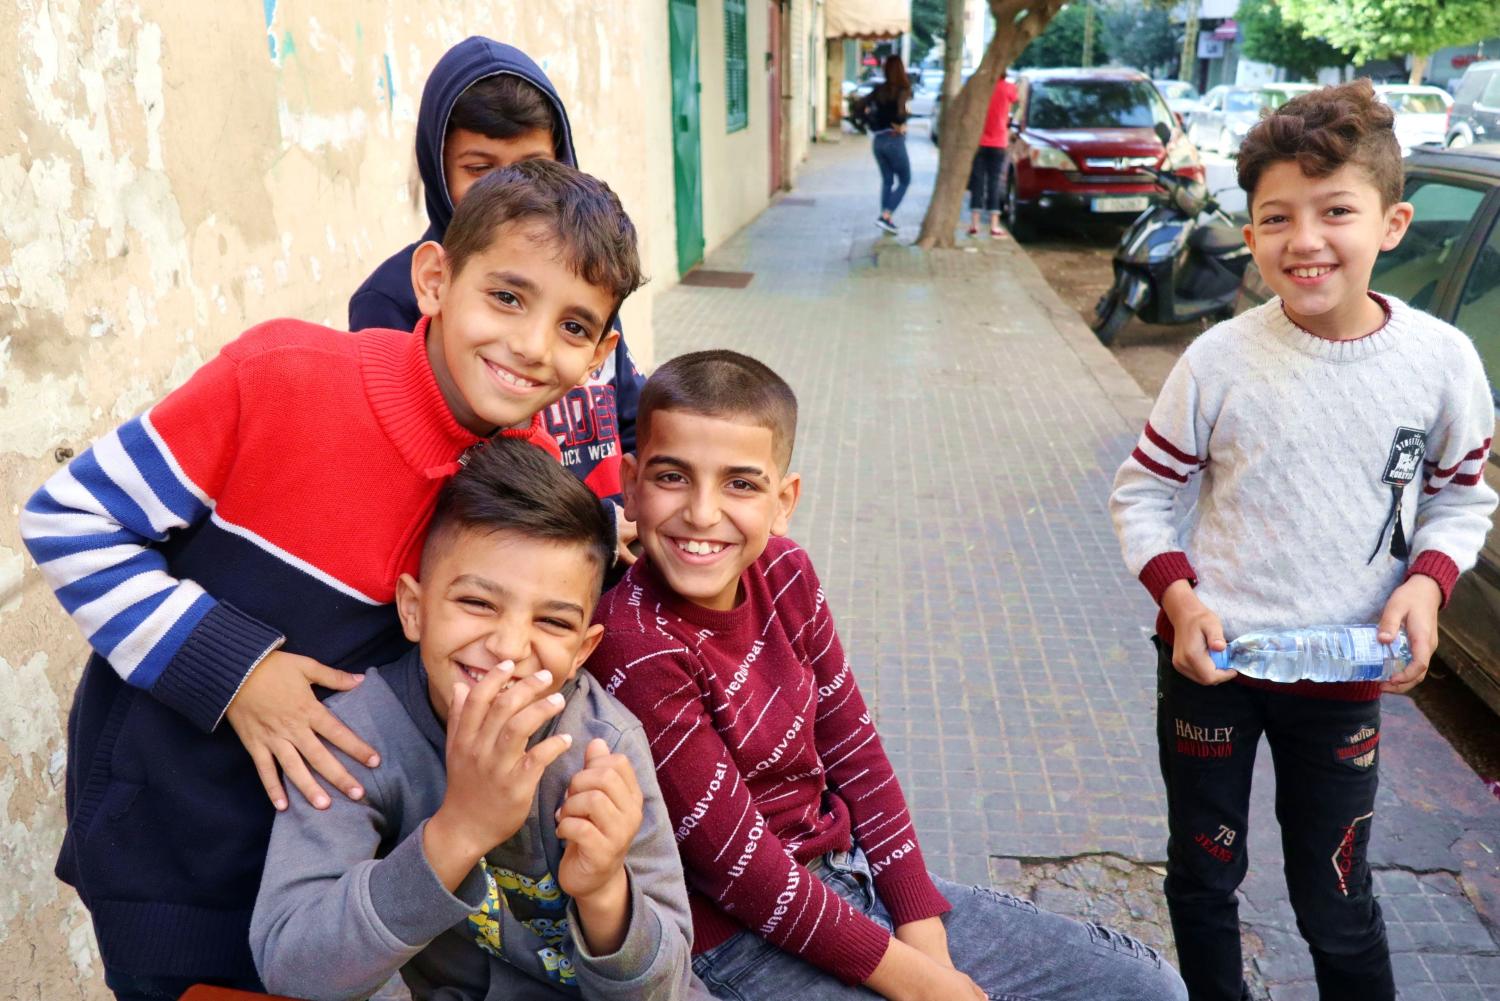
point(1176, 90)
point(1095, 104)
point(1415, 103)
point(1248, 100)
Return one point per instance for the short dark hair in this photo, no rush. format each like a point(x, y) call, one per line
point(511, 485)
point(502, 107)
point(1322, 130)
point(585, 220)
point(726, 385)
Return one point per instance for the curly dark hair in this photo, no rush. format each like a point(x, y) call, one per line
point(1323, 130)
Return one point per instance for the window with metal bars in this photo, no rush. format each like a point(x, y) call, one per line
point(736, 67)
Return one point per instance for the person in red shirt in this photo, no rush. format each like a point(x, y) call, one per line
point(804, 872)
point(986, 178)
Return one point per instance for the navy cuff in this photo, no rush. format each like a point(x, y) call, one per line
point(203, 676)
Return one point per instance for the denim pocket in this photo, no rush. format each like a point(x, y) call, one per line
point(730, 962)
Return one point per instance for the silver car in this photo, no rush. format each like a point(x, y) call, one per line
point(1421, 113)
point(1228, 113)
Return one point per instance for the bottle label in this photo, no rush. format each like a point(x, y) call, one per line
point(1366, 649)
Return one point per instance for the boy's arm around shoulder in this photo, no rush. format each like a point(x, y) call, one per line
point(94, 526)
point(655, 958)
point(1456, 504)
point(332, 920)
point(1172, 448)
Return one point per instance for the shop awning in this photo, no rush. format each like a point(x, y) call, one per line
point(867, 18)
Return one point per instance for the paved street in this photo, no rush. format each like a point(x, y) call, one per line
point(960, 429)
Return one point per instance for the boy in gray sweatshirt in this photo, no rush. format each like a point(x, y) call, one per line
point(513, 842)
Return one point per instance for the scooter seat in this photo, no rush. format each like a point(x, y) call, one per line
point(1215, 239)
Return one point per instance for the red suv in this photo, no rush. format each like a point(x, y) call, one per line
point(1076, 137)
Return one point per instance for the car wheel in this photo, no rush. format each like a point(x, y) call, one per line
point(1015, 220)
point(1110, 316)
point(1458, 140)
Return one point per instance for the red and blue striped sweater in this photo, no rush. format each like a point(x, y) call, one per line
point(270, 502)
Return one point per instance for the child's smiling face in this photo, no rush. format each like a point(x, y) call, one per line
point(1315, 240)
point(514, 330)
point(706, 494)
point(490, 597)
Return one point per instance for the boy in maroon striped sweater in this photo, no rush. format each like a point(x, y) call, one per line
point(803, 869)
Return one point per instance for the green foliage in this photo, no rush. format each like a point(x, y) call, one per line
point(1141, 35)
point(1381, 29)
point(1059, 44)
point(1270, 38)
point(928, 22)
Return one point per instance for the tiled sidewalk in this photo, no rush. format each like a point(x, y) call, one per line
point(960, 428)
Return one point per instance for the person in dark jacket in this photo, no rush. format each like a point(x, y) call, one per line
point(885, 110)
point(487, 105)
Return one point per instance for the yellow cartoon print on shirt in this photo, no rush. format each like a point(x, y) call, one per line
point(507, 890)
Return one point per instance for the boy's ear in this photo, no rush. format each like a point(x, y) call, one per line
point(409, 606)
point(786, 502)
point(629, 467)
point(429, 274)
point(591, 640)
point(602, 351)
point(1247, 232)
point(1397, 220)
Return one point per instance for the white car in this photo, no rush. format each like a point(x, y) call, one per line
point(1421, 113)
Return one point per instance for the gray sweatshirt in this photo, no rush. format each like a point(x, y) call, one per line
point(348, 897)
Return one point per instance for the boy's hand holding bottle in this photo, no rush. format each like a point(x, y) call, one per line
point(1196, 631)
point(1414, 605)
point(599, 820)
point(492, 776)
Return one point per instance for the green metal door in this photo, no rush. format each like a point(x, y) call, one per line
point(686, 153)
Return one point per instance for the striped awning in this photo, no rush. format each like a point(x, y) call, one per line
point(867, 18)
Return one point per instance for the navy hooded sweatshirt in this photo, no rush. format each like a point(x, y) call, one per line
point(595, 422)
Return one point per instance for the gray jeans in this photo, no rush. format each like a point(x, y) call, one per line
point(1012, 950)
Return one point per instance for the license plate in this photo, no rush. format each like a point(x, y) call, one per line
point(1121, 203)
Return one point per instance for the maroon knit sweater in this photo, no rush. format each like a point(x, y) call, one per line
point(767, 758)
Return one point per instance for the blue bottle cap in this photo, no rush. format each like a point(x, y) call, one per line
point(1220, 658)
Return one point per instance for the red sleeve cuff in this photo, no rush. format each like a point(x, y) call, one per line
point(1166, 569)
point(912, 898)
point(862, 946)
point(1437, 566)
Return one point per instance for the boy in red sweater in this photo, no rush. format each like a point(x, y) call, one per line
point(239, 543)
point(803, 869)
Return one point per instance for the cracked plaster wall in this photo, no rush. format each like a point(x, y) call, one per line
point(171, 173)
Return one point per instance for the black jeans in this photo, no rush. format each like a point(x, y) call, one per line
point(1326, 756)
point(128, 987)
point(986, 179)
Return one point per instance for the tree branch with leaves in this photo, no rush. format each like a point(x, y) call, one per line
point(1385, 29)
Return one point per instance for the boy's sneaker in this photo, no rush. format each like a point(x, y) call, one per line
point(886, 225)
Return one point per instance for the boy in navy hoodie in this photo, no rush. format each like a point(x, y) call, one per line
point(241, 541)
point(487, 105)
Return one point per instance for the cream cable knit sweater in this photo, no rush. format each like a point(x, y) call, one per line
point(1301, 444)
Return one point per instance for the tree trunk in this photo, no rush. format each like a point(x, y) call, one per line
point(953, 51)
point(1418, 67)
point(1088, 33)
point(1189, 44)
point(1017, 22)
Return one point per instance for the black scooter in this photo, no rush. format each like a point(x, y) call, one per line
point(1182, 259)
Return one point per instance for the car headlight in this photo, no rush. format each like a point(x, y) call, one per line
point(1181, 153)
point(1050, 158)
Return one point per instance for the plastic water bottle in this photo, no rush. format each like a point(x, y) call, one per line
point(1316, 653)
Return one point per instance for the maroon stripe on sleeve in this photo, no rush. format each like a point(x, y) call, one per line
point(1166, 446)
point(1153, 466)
point(1478, 453)
point(1164, 570)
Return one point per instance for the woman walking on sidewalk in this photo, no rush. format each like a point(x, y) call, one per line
point(885, 109)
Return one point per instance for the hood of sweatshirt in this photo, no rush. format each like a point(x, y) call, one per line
point(475, 58)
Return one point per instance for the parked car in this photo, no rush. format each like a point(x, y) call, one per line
point(937, 107)
point(1449, 265)
point(1077, 137)
point(1182, 97)
point(1421, 113)
point(1229, 112)
point(1475, 114)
